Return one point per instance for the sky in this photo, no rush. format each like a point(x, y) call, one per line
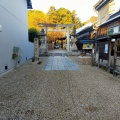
point(83, 8)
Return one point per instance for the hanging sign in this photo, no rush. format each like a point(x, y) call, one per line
point(87, 46)
point(114, 30)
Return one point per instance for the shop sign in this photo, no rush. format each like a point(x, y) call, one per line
point(110, 31)
point(88, 46)
point(113, 30)
point(106, 48)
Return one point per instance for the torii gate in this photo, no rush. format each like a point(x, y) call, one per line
point(58, 25)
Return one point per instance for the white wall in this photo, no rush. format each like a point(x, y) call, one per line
point(13, 18)
point(117, 5)
point(103, 14)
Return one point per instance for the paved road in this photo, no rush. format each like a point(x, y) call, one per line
point(60, 63)
point(31, 93)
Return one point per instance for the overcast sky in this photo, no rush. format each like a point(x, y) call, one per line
point(83, 8)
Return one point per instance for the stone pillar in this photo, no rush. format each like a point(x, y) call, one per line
point(46, 45)
point(98, 54)
point(36, 49)
point(109, 59)
point(68, 40)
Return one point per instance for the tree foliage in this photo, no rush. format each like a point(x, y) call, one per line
point(33, 32)
point(35, 17)
point(55, 16)
point(92, 19)
point(52, 36)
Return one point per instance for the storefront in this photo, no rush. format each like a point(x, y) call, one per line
point(102, 47)
point(108, 37)
point(84, 41)
point(114, 33)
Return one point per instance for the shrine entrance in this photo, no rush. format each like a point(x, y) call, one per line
point(67, 26)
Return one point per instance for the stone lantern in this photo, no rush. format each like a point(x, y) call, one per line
point(73, 41)
point(43, 47)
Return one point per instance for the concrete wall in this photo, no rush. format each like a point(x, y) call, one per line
point(13, 19)
point(103, 14)
point(111, 7)
point(117, 5)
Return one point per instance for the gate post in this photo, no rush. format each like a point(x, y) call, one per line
point(36, 49)
point(68, 40)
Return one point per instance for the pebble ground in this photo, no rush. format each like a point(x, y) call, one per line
point(31, 93)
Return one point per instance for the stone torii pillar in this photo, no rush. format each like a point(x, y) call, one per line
point(36, 49)
point(46, 41)
point(68, 40)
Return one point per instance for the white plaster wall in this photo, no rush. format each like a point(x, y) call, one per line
point(13, 18)
point(117, 5)
point(103, 14)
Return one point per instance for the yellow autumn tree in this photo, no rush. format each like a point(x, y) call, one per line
point(92, 20)
point(52, 36)
point(35, 17)
point(54, 16)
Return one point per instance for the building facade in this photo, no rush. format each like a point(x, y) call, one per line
point(84, 41)
point(14, 34)
point(105, 8)
point(105, 52)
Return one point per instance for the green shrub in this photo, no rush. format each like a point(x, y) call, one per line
point(32, 32)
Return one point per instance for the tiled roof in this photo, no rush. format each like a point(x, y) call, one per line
point(29, 4)
point(84, 27)
point(86, 40)
point(114, 15)
point(100, 4)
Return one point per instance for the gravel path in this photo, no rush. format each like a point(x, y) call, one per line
point(31, 93)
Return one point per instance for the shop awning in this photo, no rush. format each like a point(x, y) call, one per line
point(87, 41)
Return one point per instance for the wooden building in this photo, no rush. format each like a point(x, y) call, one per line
point(108, 41)
point(84, 41)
